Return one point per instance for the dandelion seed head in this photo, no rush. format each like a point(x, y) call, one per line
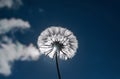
point(57, 40)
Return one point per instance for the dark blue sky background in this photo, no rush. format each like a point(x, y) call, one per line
point(96, 24)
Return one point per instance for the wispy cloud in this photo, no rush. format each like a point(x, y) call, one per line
point(8, 24)
point(41, 10)
point(11, 51)
point(10, 3)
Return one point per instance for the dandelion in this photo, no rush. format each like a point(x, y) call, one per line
point(57, 42)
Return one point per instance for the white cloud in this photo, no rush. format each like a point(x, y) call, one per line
point(11, 51)
point(10, 3)
point(8, 24)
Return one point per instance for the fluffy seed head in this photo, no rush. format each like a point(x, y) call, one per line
point(57, 40)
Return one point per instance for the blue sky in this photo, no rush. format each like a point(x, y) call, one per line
point(95, 24)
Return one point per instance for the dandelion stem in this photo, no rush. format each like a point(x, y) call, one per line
point(57, 66)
